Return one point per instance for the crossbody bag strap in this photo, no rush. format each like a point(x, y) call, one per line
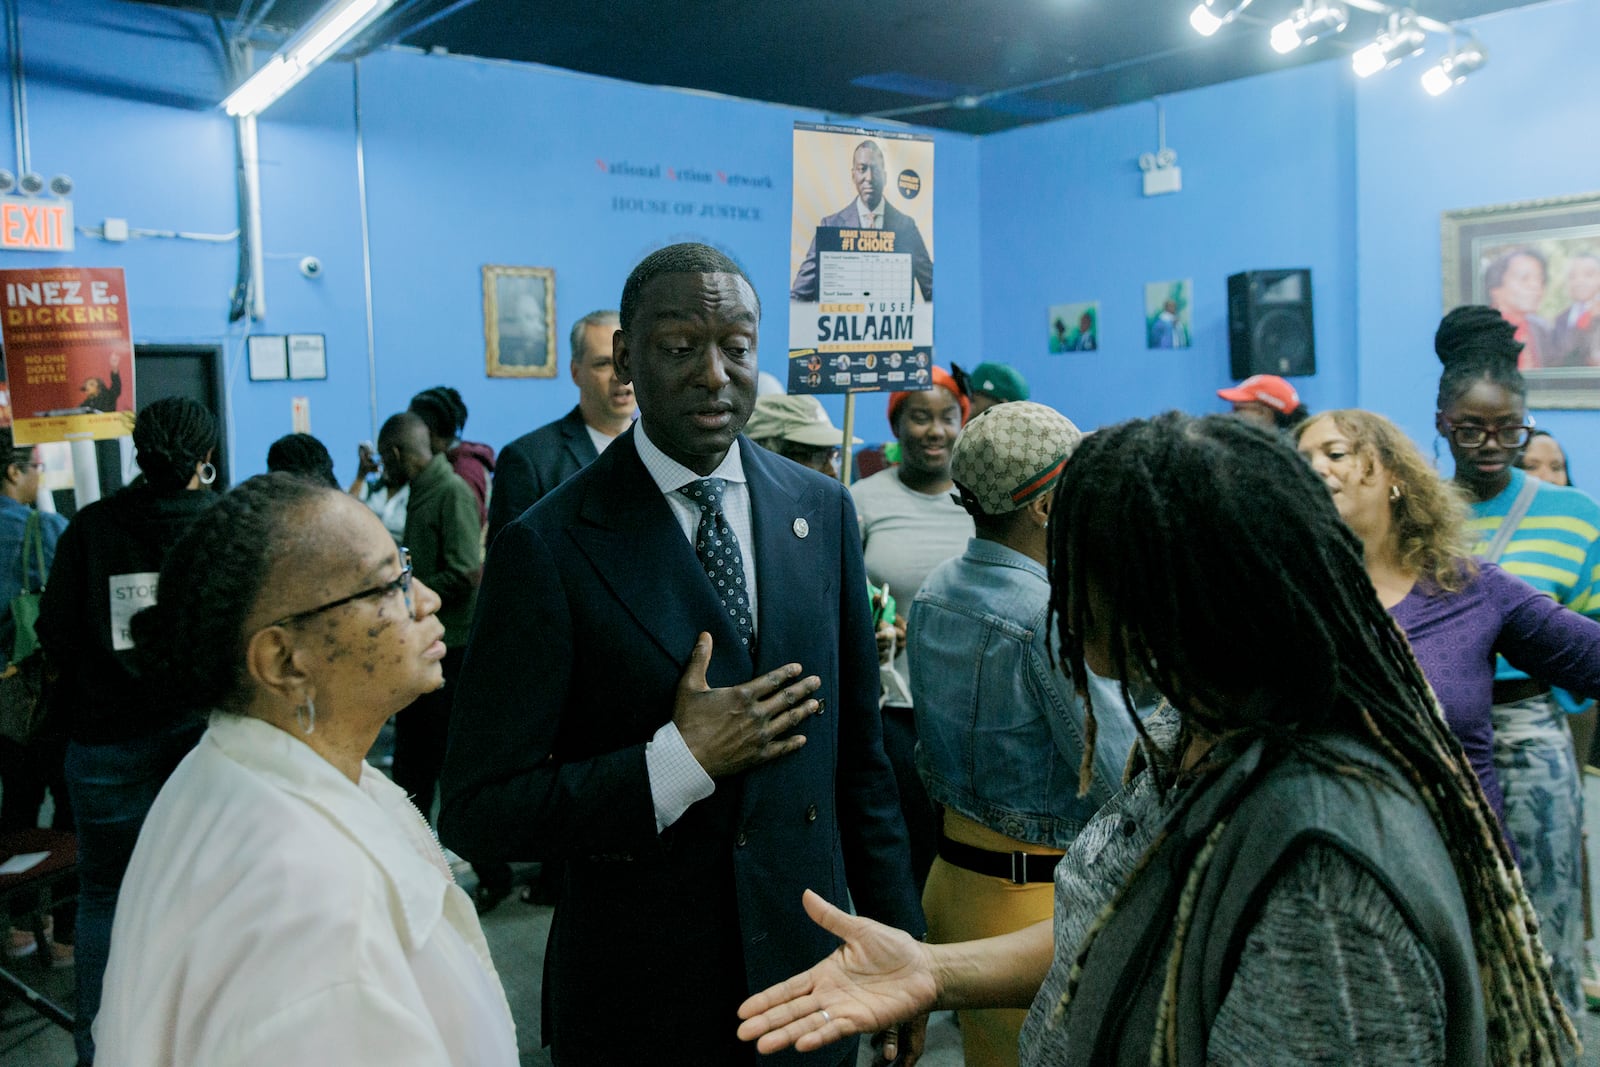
point(1513, 519)
point(33, 539)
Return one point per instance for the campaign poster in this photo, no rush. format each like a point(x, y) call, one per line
point(68, 353)
point(860, 261)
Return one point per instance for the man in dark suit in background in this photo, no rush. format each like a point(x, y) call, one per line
point(870, 211)
point(672, 683)
point(537, 462)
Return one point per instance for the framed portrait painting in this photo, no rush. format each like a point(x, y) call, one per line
point(519, 321)
point(1538, 264)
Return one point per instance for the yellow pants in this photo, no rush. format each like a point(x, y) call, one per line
point(963, 906)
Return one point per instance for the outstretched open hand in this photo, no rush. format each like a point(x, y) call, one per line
point(878, 978)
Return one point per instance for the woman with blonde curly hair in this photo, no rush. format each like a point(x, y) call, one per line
point(1456, 611)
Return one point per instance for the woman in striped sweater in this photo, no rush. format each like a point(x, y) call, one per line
point(1549, 536)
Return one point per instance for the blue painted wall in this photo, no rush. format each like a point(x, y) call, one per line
point(1523, 128)
point(1268, 169)
point(471, 162)
point(467, 163)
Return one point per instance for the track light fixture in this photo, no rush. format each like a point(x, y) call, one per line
point(1453, 69)
point(1313, 21)
point(1209, 16)
point(1403, 39)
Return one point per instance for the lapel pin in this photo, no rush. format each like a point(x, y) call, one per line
point(801, 527)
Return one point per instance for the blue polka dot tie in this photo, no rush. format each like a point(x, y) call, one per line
point(719, 553)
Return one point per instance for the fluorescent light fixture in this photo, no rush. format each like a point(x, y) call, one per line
point(1403, 38)
point(1311, 22)
point(1453, 69)
point(1206, 20)
point(323, 36)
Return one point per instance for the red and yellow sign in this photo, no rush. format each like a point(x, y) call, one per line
point(68, 353)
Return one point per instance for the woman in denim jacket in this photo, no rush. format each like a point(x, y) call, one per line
point(1000, 729)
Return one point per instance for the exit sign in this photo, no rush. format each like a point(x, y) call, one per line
point(28, 225)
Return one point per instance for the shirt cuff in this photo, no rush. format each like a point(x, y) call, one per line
point(676, 778)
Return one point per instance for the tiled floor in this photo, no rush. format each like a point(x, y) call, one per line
point(516, 934)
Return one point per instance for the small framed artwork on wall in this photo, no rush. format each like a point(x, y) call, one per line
point(1075, 327)
point(1168, 317)
point(519, 321)
point(1536, 262)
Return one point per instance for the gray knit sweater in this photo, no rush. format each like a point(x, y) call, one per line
point(1331, 974)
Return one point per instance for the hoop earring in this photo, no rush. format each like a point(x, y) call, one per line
point(305, 715)
point(208, 474)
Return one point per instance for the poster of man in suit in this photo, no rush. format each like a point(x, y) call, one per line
point(862, 273)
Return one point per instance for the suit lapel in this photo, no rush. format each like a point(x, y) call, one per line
point(576, 436)
point(787, 563)
point(627, 530)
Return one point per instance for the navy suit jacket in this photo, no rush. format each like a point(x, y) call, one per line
point(536, 463)
point(907, 239)
point(589, 609)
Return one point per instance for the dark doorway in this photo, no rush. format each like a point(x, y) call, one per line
point(194, 371)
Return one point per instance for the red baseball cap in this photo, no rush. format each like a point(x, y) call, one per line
point(1269, 389)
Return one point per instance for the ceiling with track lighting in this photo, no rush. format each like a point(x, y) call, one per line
point(977, 67)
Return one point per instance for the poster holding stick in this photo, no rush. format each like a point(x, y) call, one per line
point(68, 353)
point(861, 299)
point(846, 449)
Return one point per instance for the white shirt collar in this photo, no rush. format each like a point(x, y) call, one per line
point(866, 212)
point(670, 475)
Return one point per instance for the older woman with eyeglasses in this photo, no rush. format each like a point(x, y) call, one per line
point(1549, 536)
point(286, 903)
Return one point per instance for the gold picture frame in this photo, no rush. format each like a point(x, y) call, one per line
point(519, 321)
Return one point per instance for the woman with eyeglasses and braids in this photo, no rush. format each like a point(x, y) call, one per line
point(1301, 868)
point(286, 903)
point(1549, 536)
point(125, 735)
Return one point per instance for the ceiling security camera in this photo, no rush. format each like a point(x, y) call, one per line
point(311, 267)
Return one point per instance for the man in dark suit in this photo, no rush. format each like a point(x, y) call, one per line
point(672, 683)
point(1575, 334)
point(537, 462)
point(870, 211)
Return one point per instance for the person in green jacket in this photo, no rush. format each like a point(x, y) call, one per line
point(442, 535)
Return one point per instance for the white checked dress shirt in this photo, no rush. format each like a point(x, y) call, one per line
point(676, 778)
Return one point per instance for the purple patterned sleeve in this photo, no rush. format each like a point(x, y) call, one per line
point(1543, 639)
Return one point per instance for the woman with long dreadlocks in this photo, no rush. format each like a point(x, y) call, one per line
point(1273, 885)
point(1549, 536)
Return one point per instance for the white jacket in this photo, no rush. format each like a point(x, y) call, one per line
point(276, 913)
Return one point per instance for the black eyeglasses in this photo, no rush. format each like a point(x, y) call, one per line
point(401, 585)
point(1478, 436)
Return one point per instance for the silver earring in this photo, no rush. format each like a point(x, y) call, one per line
point(208, 474)
point(305, 715)
point(1394, 493)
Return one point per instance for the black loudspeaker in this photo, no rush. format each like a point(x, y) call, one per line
point(1269, 324)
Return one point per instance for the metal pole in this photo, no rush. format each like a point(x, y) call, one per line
point(250, 166)
point(366, 254)
point(19, 91)
point(849, 434)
